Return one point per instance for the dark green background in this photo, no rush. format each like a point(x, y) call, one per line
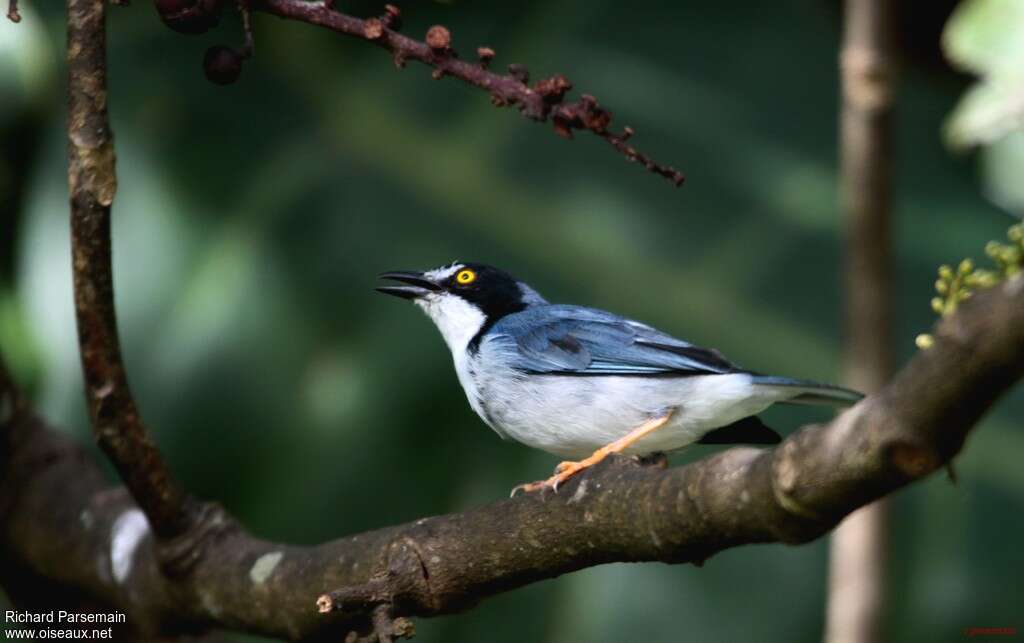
point(251, 221)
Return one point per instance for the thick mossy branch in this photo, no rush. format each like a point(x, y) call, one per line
point(620, 511)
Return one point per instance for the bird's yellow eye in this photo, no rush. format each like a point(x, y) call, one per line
point(465, 277)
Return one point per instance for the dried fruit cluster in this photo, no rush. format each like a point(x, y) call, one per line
point(544, 100)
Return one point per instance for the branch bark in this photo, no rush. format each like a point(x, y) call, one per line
point(60, 520)
point(857, 565)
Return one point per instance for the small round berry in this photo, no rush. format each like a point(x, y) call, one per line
point(222, 65)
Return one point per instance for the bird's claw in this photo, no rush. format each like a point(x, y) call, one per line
point(563, 472)
point(540, 485)
point(528, 487)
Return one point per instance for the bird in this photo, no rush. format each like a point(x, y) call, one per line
point(582, 383)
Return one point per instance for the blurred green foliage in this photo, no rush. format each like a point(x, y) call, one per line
point(986, 38)
point(251, 221)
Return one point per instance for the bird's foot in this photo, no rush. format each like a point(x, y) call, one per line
point(528, 487)
point(563, 472)
point(568, 469)
point(564, 466)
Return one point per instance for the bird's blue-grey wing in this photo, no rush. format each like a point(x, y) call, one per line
point(576, 340)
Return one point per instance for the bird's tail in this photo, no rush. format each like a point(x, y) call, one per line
point(808, 392)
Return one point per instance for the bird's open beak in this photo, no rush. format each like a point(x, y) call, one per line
point(418, 284)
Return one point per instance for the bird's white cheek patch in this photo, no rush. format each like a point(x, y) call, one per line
point(128, 532)
point(457, 319)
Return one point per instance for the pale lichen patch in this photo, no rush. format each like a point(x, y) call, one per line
point(129, 530)
point(654, 537)
point(581, 492)
point(210, 604)
point(264, 567)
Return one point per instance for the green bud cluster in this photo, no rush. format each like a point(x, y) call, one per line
point(1009, 257)
point(954, 285)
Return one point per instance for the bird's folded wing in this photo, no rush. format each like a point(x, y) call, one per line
point(576, 340)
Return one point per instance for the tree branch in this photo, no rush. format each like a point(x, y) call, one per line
point(620, 511)
point(116, 423)
point(543, 100)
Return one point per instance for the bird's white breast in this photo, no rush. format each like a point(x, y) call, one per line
point(574, 415)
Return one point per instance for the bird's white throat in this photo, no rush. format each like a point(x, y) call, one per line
point(457, 319)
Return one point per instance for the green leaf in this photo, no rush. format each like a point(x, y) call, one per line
point(986, 37)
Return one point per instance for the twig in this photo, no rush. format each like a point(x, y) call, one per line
point(542, 101)
point(92, 182)
point(388, 628)
point(374, 592)
point(249, 47)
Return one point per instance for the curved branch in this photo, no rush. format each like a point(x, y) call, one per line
point(92, 183)
point(545, 99)
point(619, 511)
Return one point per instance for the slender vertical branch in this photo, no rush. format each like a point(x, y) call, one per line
point(858, 558)
point(92, 183)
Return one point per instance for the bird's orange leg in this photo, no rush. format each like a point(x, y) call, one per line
point(566, 470)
